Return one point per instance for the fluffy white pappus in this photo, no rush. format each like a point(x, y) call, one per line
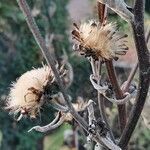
point(26, 94)
point(99, 41)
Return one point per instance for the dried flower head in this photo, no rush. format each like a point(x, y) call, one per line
point(99, 41)
point(27, 93)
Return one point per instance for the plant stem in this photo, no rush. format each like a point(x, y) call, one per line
point(144, 72)
point(118, 93)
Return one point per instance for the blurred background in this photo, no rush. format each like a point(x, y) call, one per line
point(19, 53)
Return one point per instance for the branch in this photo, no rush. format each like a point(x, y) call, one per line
point(144, 72)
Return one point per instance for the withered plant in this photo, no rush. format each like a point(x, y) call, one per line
point(102, 43)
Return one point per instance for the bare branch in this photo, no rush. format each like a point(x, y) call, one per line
point(144, 72)
point(102, 12)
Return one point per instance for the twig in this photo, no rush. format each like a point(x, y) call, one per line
point(93, 66)
point(90, 109)
point(119, 101)
point(110, 144)
point(144, 72)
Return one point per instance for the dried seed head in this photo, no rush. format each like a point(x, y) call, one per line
point(26, 94)
point(99, 41)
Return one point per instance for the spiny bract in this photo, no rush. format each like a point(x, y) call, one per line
point(99, 41)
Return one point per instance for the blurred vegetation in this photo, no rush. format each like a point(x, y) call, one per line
point(19, 53)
